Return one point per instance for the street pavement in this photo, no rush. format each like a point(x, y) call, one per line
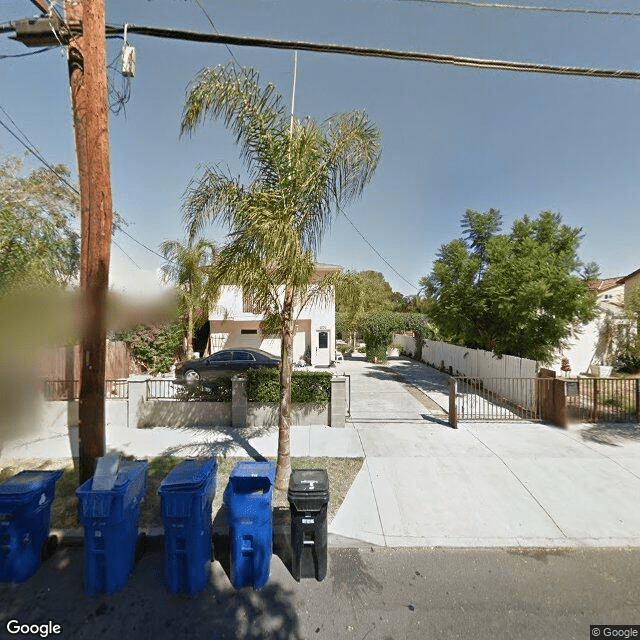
point(425, 484)
point(372, 593)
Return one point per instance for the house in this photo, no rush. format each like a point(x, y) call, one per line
point(590, 344)
point(235, 322)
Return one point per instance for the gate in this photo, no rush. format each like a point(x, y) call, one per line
point(534, 399)
point(605, 400)
point(498, 399)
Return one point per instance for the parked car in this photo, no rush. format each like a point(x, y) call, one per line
point(224, 364)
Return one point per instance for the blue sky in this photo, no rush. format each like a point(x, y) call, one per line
point(453, 138)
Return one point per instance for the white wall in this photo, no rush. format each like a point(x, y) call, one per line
point(227, 320)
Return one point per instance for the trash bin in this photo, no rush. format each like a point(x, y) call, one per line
point(248, 498)
point(308, 499)
point(186, 495)
point(25, 508)
point(110, 521)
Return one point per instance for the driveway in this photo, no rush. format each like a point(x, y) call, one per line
point(483, 484)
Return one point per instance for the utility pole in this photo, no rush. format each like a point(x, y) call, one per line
point(87, 76)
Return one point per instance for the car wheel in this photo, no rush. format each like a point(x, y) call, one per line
point(191, 376)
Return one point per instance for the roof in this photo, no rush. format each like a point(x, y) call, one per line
point(630, 276)
point(600, 286)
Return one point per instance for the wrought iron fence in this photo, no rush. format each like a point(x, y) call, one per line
point(500, 399)
point(216, 391)
point(605, 400)
point(70, 389)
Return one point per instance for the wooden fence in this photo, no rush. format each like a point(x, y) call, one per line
point(64, 363)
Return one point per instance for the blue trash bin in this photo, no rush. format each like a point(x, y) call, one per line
point(25, 509)
point(110, 521)
point(248, 498)
point(186, 495)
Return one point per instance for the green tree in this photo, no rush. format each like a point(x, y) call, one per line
point(301, 173)
point(360, 293)
point(518, 293)
point(189, 268)
point(39, 244)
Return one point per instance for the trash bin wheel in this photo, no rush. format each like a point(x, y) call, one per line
point(141, 547)
point(49, 547)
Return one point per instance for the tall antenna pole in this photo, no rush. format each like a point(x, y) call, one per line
point(293, 92)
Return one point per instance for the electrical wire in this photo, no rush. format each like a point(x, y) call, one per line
point(518, 7)
point(435, 58)
point(378, 253)
point(24, 55)
point(28, 145)
point(213, 26)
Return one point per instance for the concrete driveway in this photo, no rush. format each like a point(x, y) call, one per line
point(483, 484)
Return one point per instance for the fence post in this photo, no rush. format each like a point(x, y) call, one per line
point(594, 414)
point(453, 414)
point(239, 403)
point(338, 404)
point(637, 399)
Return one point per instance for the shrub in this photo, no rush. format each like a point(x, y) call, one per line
point(307, 387)
point(629, 361)
point(218, 391)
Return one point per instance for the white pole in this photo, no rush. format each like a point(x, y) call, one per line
point(293, 93)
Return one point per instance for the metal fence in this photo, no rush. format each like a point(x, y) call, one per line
point(70, 389)
point(605, 400)
point(163, 390)
point(499, 399)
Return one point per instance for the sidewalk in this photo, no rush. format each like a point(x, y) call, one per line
point(423, 483)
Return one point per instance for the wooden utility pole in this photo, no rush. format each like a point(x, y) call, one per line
point(88, 79)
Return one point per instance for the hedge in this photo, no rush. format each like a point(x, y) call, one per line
point(307, 387)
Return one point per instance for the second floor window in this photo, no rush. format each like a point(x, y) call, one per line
point(249, 304)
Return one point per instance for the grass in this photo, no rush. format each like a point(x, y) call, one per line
point(64, 509)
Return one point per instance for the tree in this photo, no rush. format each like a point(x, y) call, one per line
point(361, 293)
point(189, 267)
point(39, 245)
point(301, 173)
point(518, 293)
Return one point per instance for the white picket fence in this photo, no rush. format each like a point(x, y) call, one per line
point(476, 363)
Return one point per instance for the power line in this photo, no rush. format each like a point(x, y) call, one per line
point(213, 26)
point(28, 145)
point(370, 52)
point(518, 7)
point(24, 55)
point(378, 253)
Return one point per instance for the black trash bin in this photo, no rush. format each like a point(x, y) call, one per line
point(308, 499)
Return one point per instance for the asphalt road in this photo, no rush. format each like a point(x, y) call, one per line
point(369, 594)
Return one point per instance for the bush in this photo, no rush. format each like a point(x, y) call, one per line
point(218, 391)
point(629, 361)
point(307, 387)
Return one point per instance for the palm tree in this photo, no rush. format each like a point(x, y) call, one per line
point(189, 268)
point(300, 174)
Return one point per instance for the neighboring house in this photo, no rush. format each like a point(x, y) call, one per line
point(235, 322)
point(589, 345)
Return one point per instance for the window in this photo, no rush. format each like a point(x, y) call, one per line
point(249, 303)
point(242, 355)
point(221, 356)
point(323, 340)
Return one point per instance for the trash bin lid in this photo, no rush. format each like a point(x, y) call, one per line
point(28, 481)
point(189, 474)
point(308, 482)
point(254, 469)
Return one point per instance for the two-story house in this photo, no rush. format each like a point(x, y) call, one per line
point(235, 322)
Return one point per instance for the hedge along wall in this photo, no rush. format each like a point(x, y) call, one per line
point(307, 387)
